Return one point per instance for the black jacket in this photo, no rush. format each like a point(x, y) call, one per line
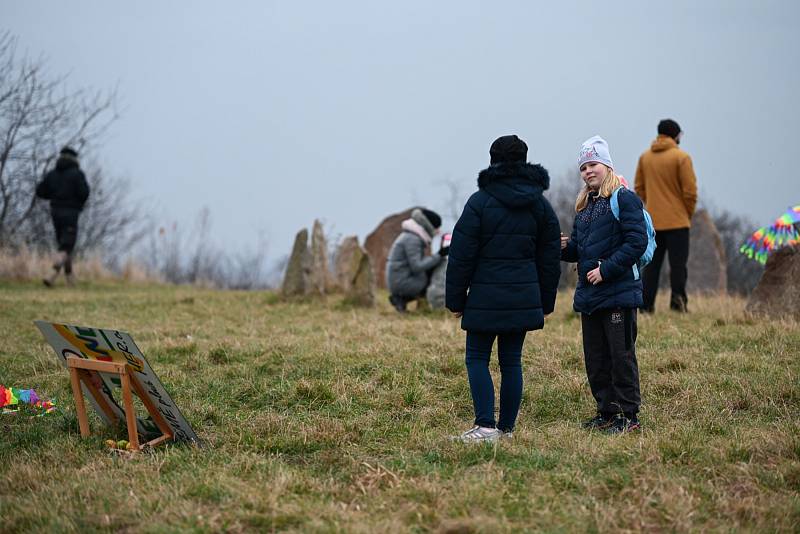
point(598, 236)
point(503, 267)
point(65, 186)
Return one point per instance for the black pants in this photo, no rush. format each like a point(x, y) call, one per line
point(65, 222)
point(609, 350)
point(677, 243)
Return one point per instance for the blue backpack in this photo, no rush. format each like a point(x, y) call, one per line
point(647, 257)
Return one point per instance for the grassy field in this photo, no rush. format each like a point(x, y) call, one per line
point(323, 418)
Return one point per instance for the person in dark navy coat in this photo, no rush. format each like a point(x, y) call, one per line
point(609, 291)
point(67, 190)
point(502, 277)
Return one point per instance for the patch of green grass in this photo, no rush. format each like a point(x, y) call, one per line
point(318, 416)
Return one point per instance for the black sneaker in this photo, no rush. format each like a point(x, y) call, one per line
point(598, 422)
point(398, 303)
point(622, 425)
point(679, 304)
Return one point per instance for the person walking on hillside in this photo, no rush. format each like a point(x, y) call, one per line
point(408, 269)
point(607, 246)
point(666, 183)
point(502, 277)
point(67, 190)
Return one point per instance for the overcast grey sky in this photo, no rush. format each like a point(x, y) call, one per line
point(276, 113)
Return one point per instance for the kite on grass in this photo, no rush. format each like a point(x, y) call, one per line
point(11, 398)
point(784, 231)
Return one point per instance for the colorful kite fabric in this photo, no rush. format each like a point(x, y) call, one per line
point(10, 399)
point(785, 231)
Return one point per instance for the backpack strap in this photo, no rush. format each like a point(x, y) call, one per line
point(614, 201)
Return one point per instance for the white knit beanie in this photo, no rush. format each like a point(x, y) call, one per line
point(595, 149)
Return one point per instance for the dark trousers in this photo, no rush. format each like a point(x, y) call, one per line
point(65, 222)
point(677, 243)
point(509, 352)
point(609, 350)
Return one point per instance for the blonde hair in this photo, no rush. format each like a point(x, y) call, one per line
point(609, 184)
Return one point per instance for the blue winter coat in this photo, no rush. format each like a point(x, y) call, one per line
point(503, 267)
point(598, 236)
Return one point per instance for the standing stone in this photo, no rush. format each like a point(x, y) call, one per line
point(707, 261)
point(778, 292)
point(344, 271)
point(380, 241)
point(297, 280)
point(361, 290)
point(321, 279)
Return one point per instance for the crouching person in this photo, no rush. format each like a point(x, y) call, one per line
point(408, 269)
point(502, 278)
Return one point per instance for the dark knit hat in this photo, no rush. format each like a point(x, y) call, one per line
point(669, 127)
point(432, 217)
point(508, 148)
point(69, 151)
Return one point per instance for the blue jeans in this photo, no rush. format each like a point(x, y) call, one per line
point(509, 351)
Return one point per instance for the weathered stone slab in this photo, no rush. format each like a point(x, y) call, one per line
point(297, 280)
point(707, 261)
point(380, 241)
point(345, 270)
point(778, 292)
point(321, 279)
point(362, 286)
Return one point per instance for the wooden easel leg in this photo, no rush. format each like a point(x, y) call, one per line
point(162, 424)
point(130, 415)
point(80, 406)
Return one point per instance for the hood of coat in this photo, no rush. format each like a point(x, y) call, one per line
point(515, 184)
point(65, 162)
point(410, 225)
point(662, 143)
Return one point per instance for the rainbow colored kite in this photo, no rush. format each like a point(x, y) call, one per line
point(785, 231)
point(10, 399)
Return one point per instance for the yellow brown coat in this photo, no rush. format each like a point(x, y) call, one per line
point(666, 183)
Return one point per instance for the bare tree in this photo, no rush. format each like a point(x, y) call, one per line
point(37, 116)
point(196, 259)
point(743, 273)
point(455, 199)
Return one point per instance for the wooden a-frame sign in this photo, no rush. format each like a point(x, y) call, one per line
point(100, 361)
point(85, 371)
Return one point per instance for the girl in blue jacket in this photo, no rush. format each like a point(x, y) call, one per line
point(502, 278)
point(606, 249)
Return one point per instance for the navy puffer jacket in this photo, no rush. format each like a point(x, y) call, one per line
point(598, 236)
point(65, 186)
point(503, 267)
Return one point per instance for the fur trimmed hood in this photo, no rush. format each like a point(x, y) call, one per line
point(514, 184)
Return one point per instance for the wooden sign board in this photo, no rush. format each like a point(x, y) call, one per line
point(117, 347)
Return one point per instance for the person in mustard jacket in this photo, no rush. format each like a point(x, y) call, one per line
point(666, 183)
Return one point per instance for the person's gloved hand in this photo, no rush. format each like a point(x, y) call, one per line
point(444, 251)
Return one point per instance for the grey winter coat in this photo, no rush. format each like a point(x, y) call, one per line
point(407, 266)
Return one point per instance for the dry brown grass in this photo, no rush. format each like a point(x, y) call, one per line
point(26, 265)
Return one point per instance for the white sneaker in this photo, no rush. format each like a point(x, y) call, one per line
point(479, 434)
